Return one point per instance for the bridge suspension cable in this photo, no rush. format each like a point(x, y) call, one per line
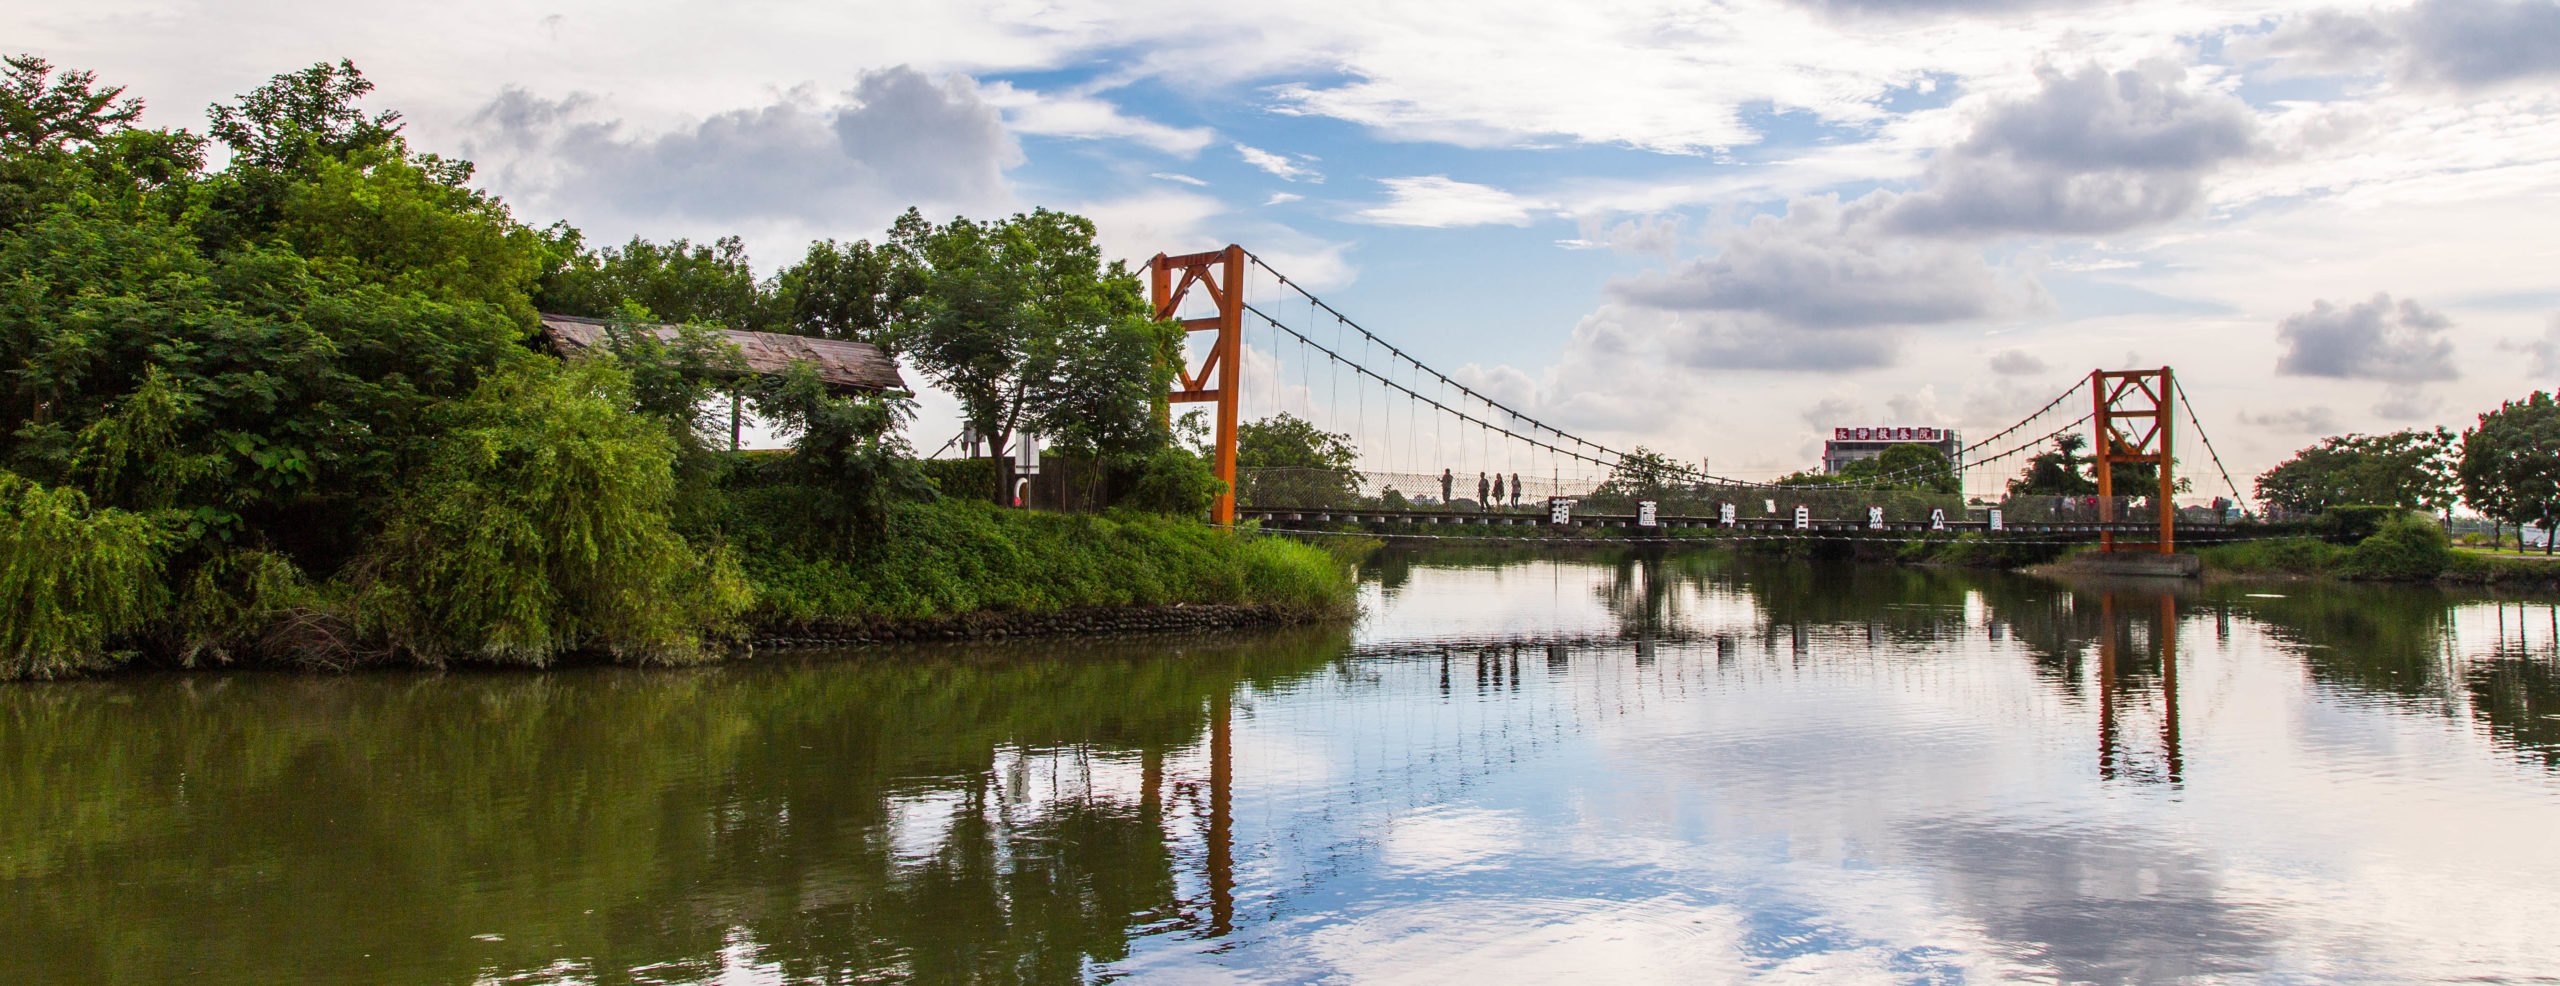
point(1422, 388)
point(1422, 367)
point(2208, 446)
point(1337, 358)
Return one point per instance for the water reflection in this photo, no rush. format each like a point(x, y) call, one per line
point(1637, 767)
point(942, 816)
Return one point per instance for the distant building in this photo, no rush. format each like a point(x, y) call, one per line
point(1849, 445)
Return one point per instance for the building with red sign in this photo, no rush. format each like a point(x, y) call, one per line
point(1849, 445)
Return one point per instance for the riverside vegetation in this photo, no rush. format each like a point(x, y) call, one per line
point(288, 410)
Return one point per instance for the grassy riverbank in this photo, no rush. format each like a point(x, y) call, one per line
point(2404, 549)
point(953, 557)
point(90, 589)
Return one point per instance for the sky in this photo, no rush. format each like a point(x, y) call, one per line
point(1715, 229)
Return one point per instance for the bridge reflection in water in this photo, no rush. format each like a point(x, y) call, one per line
point(2117, 653)
point(1636, 766)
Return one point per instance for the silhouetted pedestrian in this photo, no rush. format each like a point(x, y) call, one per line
point(1515, 489)
point(1484, 491)
point(1497, 491)
point(1446, 479)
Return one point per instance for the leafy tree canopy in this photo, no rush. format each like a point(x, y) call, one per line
point(2061, 472)
point(42, 113)
point(1283, 460)
point(2510, 464)
point(855, 290)
point(1022, 321)
point(676, 282)
point(2411, 469)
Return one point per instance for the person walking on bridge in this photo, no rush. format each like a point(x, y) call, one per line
point(1515, 491)
point(1497, 491)
point(1446, 478)
point(1484, 492)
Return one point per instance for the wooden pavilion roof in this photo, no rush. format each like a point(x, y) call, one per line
point(841, 364)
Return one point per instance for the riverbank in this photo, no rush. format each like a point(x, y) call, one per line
point(2412, 553)
point(932, 569)
point(1086, 621)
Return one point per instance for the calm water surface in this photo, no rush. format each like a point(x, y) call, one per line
point(1690, 769)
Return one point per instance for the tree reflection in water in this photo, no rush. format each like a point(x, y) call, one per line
point(933, 816)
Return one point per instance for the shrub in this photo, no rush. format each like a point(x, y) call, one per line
point(2286, 556)
point(2404, 546)
point(74, 580)
point(542, 526)
point(235, 601)
point(967, 479)
point(2352, 524)
point(1175, 483)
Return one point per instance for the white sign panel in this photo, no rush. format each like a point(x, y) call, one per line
point(1804, 517)
point(1875, 518)
point(1773, 505)
point(1995, 518)
point(1724, 513)
point(1644, 513)
point(1026, 452)
point(1937, 520)
point(1559, 510)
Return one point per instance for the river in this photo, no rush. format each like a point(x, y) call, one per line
point(1696, 769)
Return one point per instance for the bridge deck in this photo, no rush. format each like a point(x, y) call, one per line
point(1283, 517)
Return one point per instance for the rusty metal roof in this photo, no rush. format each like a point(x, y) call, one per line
point(840, 363)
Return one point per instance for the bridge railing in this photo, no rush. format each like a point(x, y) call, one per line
point(2087, 509)
point(1317, 489)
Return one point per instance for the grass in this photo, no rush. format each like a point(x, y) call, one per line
point(2481, 567)
point(953, 557)
point(2290, 556)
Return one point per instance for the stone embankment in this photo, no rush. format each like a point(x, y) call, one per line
point(1092, 621)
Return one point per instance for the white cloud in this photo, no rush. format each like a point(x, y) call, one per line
point(1646, 236)
point(2454, 44)
point(2542, 352)
point(2374, 339)
point(2016, 362)
point(847, 162)
point(2404, 403)
point(1279, 166)
point(2091, 152)
point(1282, 198)
point(1084, 117)
point(1436, 201)
point(2312, 420)
point(1182, 178)
point(1823, 265)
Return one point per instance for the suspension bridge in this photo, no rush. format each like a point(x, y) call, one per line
point(1414, 432)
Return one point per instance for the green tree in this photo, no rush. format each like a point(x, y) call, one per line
point(2061, 472)
point(677, 375)
point(279, 132)
point(1912, 466)
point(855, 290)
point(41, 113)
point(1023, 323)
point(1283, 460)
point(846, 453)
point(270, 386)
point(1644, 474)
point(2510, 466)
point(541, 525)
point(676, 282)
point(2413, 469)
